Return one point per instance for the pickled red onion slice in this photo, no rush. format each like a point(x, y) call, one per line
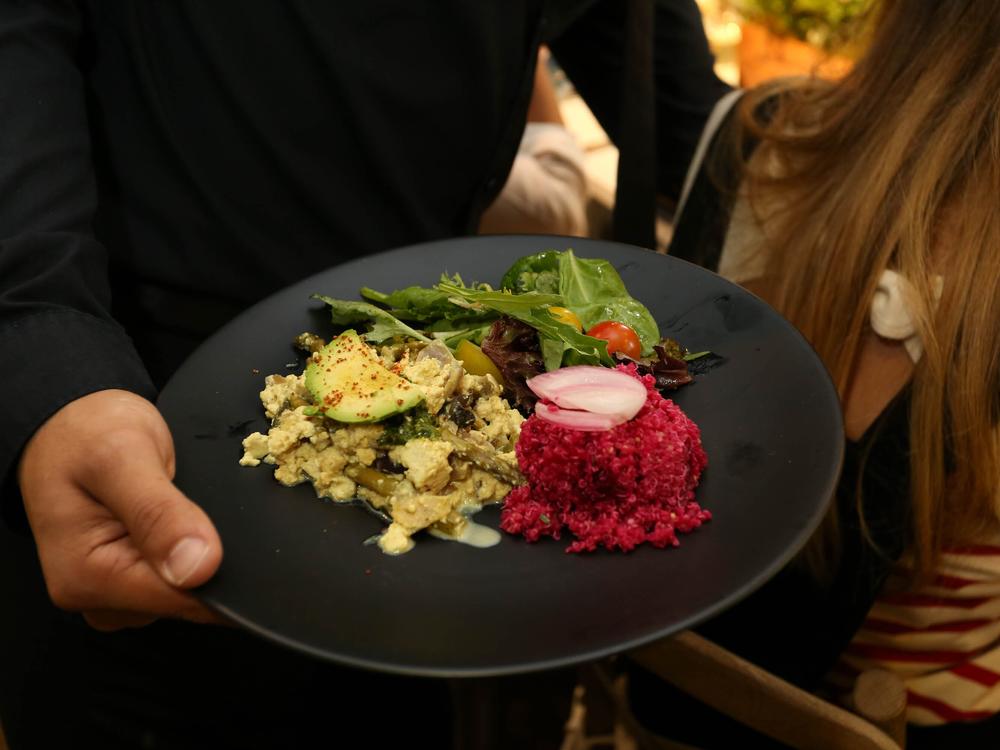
point(576, 420)
point(598, 390)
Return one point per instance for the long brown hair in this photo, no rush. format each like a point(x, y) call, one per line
point(898, 166)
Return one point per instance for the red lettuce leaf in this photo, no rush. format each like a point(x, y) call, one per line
point(513, 346)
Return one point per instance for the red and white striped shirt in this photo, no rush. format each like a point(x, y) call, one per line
point(942, 639)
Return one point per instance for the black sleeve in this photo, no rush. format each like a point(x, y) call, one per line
point(591, 51)
point(57, 339)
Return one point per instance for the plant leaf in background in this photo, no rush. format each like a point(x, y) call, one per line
point(592, 288)
point(826, 24)
point(383, 324)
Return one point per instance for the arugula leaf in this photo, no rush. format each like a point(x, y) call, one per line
point(452, 338)
point(384, 325)
point(415, 303)
point(503, 301)
point(592, 288)
point(425, 305)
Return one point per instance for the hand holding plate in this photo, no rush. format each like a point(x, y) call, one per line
point(116, 539)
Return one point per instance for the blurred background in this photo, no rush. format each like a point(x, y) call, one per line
point(753, 41)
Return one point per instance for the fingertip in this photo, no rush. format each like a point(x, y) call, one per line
point(191, 561)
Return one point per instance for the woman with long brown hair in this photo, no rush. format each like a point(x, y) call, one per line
point(867, 211)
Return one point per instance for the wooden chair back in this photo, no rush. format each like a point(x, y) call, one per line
point(776, 708)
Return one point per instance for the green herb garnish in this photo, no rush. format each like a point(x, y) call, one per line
point(416, 423)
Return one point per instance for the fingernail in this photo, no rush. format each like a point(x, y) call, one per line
point(183, 559)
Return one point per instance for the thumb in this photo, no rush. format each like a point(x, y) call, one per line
point(175, 537)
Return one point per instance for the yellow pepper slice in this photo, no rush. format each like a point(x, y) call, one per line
point(567, 316)
point(475, 361)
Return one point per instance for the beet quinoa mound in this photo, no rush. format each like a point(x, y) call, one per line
point(614, 488)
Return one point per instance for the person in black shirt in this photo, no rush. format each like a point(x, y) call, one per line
point(163, 165)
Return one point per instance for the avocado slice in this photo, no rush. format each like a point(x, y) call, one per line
point(349, 384)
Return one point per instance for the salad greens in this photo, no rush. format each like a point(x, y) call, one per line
point(514, 348)
point(514, 324)
point(426, 305)
point(590, 287)
point(451, 311)
point(384, 325)
point(557, 338)
point(435, 311)
point(533, 273)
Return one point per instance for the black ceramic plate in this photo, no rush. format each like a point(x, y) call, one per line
point(296, 569)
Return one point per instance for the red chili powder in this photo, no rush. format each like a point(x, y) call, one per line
point(618, 488)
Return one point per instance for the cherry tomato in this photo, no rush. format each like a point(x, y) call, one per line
point(620, 338)
point(567, 316)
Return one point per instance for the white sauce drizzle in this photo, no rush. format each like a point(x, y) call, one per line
point(474, 534)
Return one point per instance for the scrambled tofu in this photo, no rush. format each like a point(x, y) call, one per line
point(462, 459)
